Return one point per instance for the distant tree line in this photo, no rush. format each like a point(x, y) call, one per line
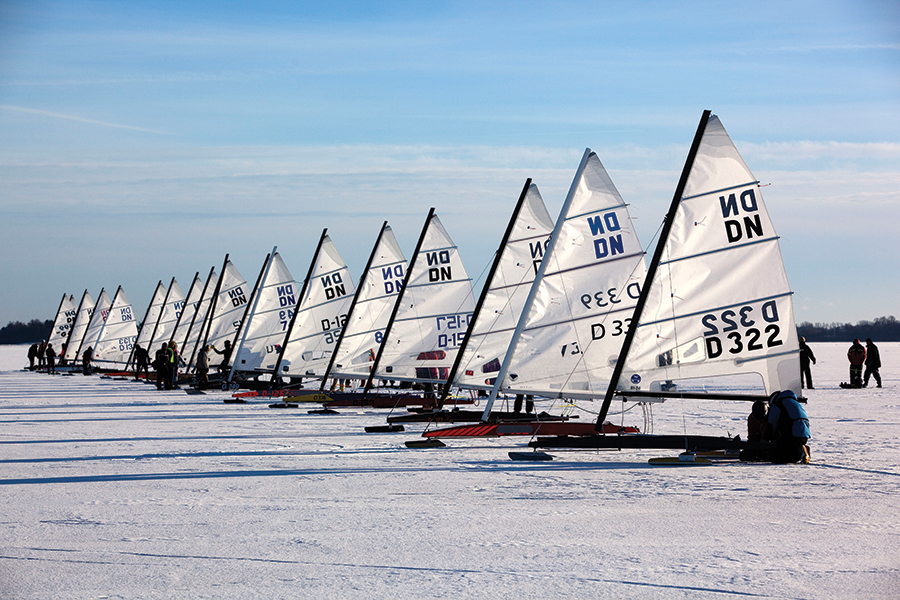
point(882, 329)
point(31, 332)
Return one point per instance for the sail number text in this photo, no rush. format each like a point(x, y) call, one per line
point(742, 330)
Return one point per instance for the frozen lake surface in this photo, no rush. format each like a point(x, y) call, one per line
point(111, 489)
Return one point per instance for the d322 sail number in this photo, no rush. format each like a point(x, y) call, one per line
point(746, 329)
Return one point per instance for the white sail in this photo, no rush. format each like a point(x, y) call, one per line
point(433, 312)
point(168, 318)
point(228, 309)
point(188, 310)
point(321, 313)
point(719, 314)
point(264, 329)
point(151, 319)
point(98, 318)
point(200, 320)
point(118, 333)
point(507, 292)
point(82, 320)
point(378, 291)
point(584, 300)
point(62, 323)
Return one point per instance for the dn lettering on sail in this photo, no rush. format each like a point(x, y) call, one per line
point(237, 296)
point(392, 278)
point(746, 223)
point(607, 243)
point(537, 253)
point(286, 295)
point(439, 266)
point(334, 286)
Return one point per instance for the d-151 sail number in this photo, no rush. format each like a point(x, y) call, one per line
point(742, 329)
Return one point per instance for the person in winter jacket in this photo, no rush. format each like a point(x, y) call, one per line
point(806, 355)
point(789, 428)
point(857, 356)
point(873, 363)
point(32, 354)
point(50, 353)
point(757, 431)
point(142, 362)
point(161, 364)
point(203, 366)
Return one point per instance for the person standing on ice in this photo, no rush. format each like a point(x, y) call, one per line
point(50, 353)
point(226, 356)
point(873, 363)
point(160, 363)
point(857, 356)
point(806, 355)
point(203, 367)
point(86, 358)
point(142, 362)
point(32, 354)
point(789, 427)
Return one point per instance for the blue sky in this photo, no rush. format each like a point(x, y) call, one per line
point(144, 140)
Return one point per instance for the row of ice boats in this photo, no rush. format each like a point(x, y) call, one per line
point(570, 312)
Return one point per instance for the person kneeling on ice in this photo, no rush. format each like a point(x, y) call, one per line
point(789, 428)
point(757, 431)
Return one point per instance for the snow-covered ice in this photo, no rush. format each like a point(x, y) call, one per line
point(110, 489)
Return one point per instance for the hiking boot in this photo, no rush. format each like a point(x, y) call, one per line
point(805, 459)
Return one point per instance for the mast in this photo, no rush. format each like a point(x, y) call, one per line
point(111, 305)
point(74, 323)
point(526, 309)
point(359, 289)
point(251, 309)
point(144, 322)
point(309, 273)
point(187, 338)
point(484, 292)
point(651, 270)
point(387, 329)
point(56, 318)
point(212, 304)
point(181, 313)
point(81, 343)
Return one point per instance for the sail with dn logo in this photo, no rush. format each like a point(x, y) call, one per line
point(228, 307)
point(431, 315)
point(79, 327)
point(118, 334)
point(369, 313)
point(265, 325)
point(313, 329)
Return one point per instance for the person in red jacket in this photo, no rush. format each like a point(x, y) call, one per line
point(857, 356)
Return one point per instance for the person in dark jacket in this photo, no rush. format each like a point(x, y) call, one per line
point(857, 356)
point(226, 357)
point(161, 364)
point(86, 357)
point(32, 354)
point(141, 361)
point(806, 355)
point(50, 353)
point(757, 431)
point(788, 426)
point(873, 363)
